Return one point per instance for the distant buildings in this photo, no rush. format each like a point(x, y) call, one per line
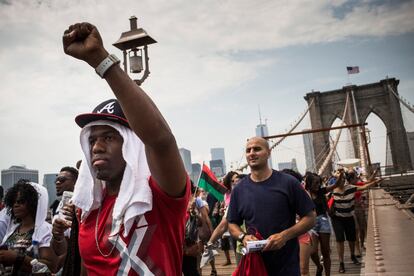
point(217, 167)
point(218, 161)
point(10, 176)
point(186, 157)
point(195, 174)
point(309, 152)
point(49, 184)
point(288, 165)
point(262, 131)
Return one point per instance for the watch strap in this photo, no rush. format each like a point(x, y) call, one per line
point(241, 237)
point(105, 64)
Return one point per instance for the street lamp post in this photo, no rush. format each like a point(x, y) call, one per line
point(133, 44)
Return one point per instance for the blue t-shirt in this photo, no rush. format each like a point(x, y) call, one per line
point(270, 207)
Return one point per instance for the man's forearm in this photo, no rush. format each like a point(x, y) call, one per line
point(302, 226)
point(206, 218)
point(369, 184)
point(149, 125)
point(143, 115)
point(219, 231)
point(59, 246)
point(234, 230)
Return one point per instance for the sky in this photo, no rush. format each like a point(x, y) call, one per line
point(214, 64)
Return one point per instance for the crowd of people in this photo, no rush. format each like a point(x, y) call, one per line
point(134, 210)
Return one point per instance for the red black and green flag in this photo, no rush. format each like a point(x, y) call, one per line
point(209, 183)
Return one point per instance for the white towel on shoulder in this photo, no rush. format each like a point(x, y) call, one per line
point(134, 197)
point(41, 214)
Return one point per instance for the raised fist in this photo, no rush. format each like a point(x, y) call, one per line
point(83, 41)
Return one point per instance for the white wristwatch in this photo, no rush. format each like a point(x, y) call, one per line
point(105, 64)
point(241, 236)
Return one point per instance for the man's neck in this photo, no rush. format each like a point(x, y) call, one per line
point(261, 174)
point(112, 188)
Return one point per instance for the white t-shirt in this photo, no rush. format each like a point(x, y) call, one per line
point(45, 231)
point(4, 222)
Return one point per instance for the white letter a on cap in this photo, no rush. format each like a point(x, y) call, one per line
point(109, 107)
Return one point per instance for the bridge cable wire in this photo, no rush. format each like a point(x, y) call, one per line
point(333, 148)
point(319, 158)
point(362, 152)
point(403, 101)
point(324, 152)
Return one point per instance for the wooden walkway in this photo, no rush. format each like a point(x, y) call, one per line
point(351, 269)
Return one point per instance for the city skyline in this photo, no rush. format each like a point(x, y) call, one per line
point(217, 155)
point(214, 63)
point(14, 173)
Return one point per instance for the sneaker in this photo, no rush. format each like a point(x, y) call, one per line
point(207, 256)
point(355, 260)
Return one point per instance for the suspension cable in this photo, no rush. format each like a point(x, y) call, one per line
point(333, 148)
point(404, 102)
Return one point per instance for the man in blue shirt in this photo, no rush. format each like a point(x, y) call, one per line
point(268, 202)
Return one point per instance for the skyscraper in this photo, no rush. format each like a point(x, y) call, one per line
point(218, 154)
point(309, 152)
point(195, 174)
point(49, 183)
point(262, 131)
point(217, 167)
point(10, 176)
point(186, 157)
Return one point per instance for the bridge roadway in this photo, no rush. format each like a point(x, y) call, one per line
point(389, 243)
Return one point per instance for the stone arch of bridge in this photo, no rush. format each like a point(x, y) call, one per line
point(369, 98)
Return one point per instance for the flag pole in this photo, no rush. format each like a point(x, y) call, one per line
point(198, 180)
point(347, 74)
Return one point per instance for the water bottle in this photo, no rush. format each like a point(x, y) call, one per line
point(39, 267)
point(35, 249)
point(66, 197)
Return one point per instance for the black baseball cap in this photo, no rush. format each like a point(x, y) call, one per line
point(108, 110)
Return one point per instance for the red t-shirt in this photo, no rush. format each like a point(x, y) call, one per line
point(154, 245)
point(358, 193)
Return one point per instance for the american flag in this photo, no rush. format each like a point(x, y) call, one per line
point(352, 69)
